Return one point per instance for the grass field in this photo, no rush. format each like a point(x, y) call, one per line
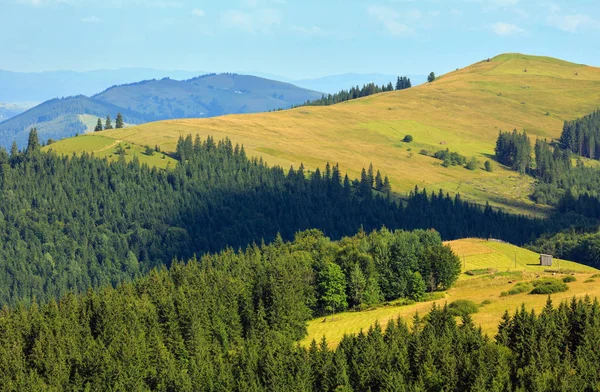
point(462, 111)
point(476, 254)
point(105, 147)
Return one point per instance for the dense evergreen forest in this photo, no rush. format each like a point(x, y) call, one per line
point(69, 223)
point(357, 92)
point(582, 136)
point(231, 321)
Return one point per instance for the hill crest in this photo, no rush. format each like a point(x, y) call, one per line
point(462, 111)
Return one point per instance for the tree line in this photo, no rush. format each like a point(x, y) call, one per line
point(402, 83)
point(119, 123)
point(582, 136)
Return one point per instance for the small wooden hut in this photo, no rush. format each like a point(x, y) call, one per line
point(545, 260)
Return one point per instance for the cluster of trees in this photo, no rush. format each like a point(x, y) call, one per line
point(452, 158)
point(571, 244)
point(582, 136)
point(69, 223)
point(358, 92)
point(119, 123)
point(231, 322)
point(402, 83)
point(513, 149)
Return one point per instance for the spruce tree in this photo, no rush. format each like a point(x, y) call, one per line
point(108, 124)
point(33, 144)
point(14, 150)
point(99, 126)
point(378, 182)
point(119, 121)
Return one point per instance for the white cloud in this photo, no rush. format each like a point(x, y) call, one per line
point(572, 23)
point(389, 19)
point(198, 12)
point(260, 20)
point(505, 29)
point(90, 19)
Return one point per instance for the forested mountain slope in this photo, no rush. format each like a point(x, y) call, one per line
point(231, 322)
point(152, 100)
point(462, 111)
point(68, 223)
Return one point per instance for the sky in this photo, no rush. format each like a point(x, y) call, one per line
point(291, 38)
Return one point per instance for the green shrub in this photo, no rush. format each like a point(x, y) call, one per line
point(424, 152)
point(407, 139)
point(589, 281)
point(436, 295)
point(454, 158)
point(569, 279)
point(462, 307)
point(486, 302)
point(522, 287)
point(548, 286)
point(595, 276)
point(472, 165)
point(481, 271)
point(488, 166)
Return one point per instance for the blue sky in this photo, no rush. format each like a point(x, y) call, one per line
point(296, 39)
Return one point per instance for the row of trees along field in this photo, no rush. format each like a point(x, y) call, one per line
point(119, 123)
point(402, 83)
point(70, 223)
point(231, 322)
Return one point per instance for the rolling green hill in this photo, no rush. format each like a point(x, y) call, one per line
point(462, 111)
point(152, 100)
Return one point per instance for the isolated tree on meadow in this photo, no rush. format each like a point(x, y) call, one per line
point(99, 126)
point(119, 121)
point(431, 77)
point(108, 124)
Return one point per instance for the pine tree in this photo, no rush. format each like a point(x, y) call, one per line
point(378, 182)
point(431, 77)
point(386, 188)
point(371, 175)
point(14, 149)
point(108, 124)
point(33, 144)
point(99, 126)
point(119, 121)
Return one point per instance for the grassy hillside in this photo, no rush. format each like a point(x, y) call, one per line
point(462, 111)
point(502, 276)
point(152, 100)
point(104, 147)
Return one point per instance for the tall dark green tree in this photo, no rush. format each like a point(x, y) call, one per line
point(108, 123)
point(119, 121)
point(431, 77)
point(33, 143)
point(99, 126)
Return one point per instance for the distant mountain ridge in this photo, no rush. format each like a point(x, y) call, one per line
point(151, 100)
